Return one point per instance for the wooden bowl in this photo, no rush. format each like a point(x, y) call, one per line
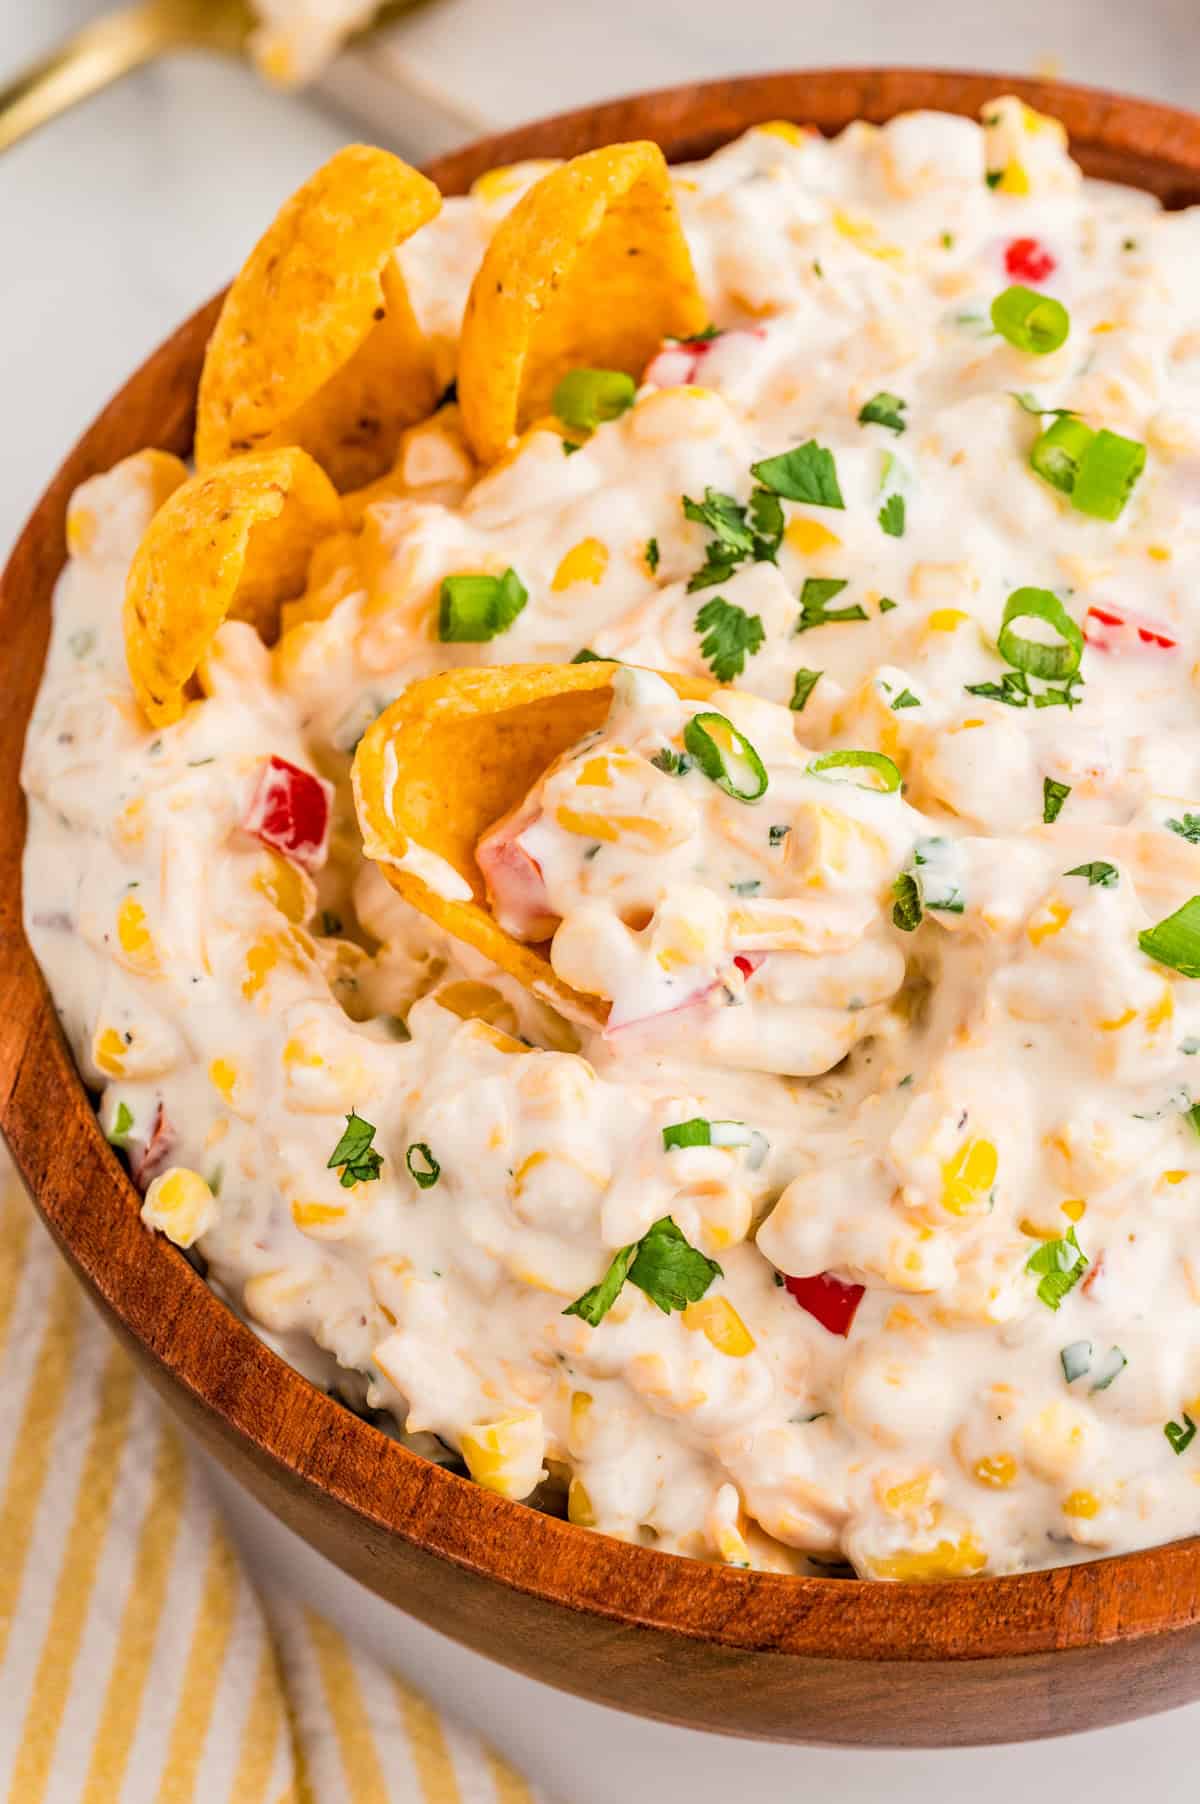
point(755, 1654)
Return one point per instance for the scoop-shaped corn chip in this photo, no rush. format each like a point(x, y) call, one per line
point(317, 344)
point(231, 544)
point(590, 269)
point(452, 755)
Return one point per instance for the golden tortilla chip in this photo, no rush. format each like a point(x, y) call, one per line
point(590, 269)
point(231, 544)
point(317, 344)
point(452, 755)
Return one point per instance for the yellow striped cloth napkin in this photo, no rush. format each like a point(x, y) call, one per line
point(138, 1662)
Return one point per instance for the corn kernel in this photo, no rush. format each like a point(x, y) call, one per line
point(967, 1178)
point(181, 1204)
point(108, 1051)
point(949, 1559)
point(1083, 1504)
point(284, 885)
point(1162, 1012)
point(135, 939)
point(786, 129)
point(863, 234)
point(477, 1002)
point(310, 1215)
point(808, 537)
point(946, 620)
point(497, 184)
point(1014, 179)
point(721, 1325)
point(579, 1505)
point(261, 959)
point(657, 836)
point(1074, 1208)
point(907, 1498)
point(584, 563)
point(223, 1076)
point(1048, 921)
point(506, 1455)
point(997, 1470)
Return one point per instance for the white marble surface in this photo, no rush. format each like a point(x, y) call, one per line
point(121, 218)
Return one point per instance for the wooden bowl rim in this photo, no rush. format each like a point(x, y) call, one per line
point(147, 1288)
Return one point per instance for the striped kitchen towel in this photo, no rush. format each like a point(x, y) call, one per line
point(139, 1664)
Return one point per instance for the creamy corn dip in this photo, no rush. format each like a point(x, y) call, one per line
point(902, 1043)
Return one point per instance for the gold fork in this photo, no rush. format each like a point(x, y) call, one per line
point(124, 40)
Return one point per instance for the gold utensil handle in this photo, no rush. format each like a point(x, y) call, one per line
point(106, 50)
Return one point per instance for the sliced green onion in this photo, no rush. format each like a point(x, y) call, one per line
point(1054, 794)
point(1175, 942)
point(696, 1132)
point(1110, 1367)
point(475, 608)
point(1031, 655)
point(726, 757)
point(907, 912)
point(1076, 1360)
point(1108, 470)
point(118, 1133)
point(879, 762)
point(941, 879)
point(1030, 321)
point(1181, 1435)
point(1059, 1264)
point(426, 1171)
point(586, 398)
point(1058, 452)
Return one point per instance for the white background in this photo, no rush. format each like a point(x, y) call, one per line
point(121, 218)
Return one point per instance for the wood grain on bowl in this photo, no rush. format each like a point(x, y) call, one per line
point(750, 1653)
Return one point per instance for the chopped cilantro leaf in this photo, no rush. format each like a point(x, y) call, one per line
point(675, 764)
point(891, 516)
point(886, 604)
point(1098, 872)
point(1054, 794)
point(884, 409)
point(729, 635)
point(354, 1153)
point(804, 683)
point(1059, 1265)
point(651, 554)
point(1181, 1435)
point(807, 473)
point(570, 445)
point(906, 699)
point(664, 1265)
point(1188, 828)
point(817, 592)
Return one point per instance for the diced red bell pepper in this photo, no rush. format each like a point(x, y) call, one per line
point(1121, 630)
point(289, 811)
point(1028, 260)
point(150, 1156)
point(678, 364)
point(516, 886)
point(827, 1299)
